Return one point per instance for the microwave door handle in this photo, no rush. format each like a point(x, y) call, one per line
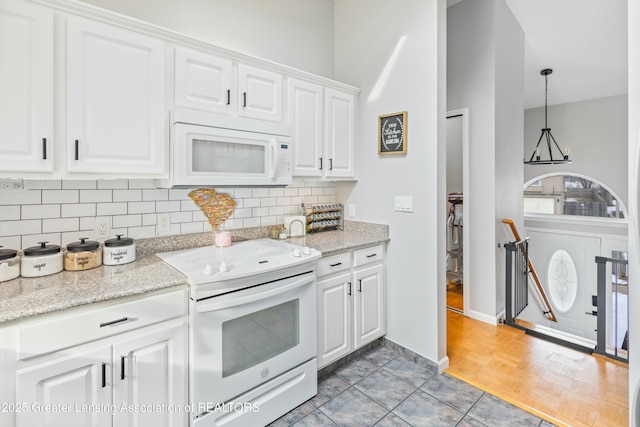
point(273, 158)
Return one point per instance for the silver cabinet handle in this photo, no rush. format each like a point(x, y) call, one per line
point(77, 147)
point(44, 148)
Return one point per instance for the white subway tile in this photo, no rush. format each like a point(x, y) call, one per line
point(269, 220)
point(89, 223)
point(251, 203)
point(310, 184)
point(96, 196)
point(268, 201)
point(260, 192)
point(325, 199)
point(155, 194)
point(149, 219)
point(141, 232)
point(297, 201)
point(78, 209)
point(317, 191)
point(142, 207)
point(175, 229)
point(230, 224)
point(276, 192)
point(9, 213)
point(60, 225)
point(292, 210)
point(31, 197)
point(191, 227)
point(16, 228)
point(241, 193)
point(121, 221)
point(60, 196)
point(178, 217)
point(239, 203)
point(304, 192)
point(43, 184)
point(242, 213)
point(290, 192)
point(31, 240)
point(11, 242)
point(40, 211)
point(79, 185)
point(251, 222)
point(107, 209)
point(113, 184)
point(329, 191)
point(260, 212)
point(179, 193)
point(121, 231)
point(198, 216)
point(276, 210)
point(142, 183)
point(168, 206)
point(188, 205)
point(127, 195)
point(283, 201)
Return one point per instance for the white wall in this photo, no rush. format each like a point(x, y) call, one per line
point(633, 206)
point(396, 56)
point(297, 33)
point(597, 132)
point(485, 73)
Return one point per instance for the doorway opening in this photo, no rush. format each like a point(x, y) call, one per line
point(457, 235)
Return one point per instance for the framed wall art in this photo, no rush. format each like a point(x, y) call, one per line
point(392, 133)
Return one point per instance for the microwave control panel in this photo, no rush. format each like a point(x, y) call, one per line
point(285, 160)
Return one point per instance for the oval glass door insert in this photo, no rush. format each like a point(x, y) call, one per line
point(562, 279)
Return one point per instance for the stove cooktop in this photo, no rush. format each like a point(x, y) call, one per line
point(209, 264)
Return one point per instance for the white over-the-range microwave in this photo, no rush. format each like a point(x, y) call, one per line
point(213, 150)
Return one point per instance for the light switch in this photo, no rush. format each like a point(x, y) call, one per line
point(404, 204)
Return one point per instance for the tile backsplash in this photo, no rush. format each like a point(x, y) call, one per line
point(61, 212)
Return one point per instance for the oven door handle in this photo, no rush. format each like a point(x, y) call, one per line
point(218, 304)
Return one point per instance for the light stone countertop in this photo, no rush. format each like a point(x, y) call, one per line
point(25, 297)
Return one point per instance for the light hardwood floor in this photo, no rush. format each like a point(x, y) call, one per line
point(563, 386)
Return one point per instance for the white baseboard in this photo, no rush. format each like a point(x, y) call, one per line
point(443, 364)
point(492, 320)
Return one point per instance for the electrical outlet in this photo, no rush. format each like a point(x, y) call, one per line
point(352, 210)
point(164, 224)
point(12, 186)
point(103, 227)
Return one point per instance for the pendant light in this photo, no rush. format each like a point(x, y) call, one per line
point(562, 155)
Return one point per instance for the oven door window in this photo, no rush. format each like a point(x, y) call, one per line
point(259, 336)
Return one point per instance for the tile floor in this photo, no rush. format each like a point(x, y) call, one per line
point(381, 389)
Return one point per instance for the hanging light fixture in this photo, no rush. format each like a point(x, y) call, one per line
point(562, 155)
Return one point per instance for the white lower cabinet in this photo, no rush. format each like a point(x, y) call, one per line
point(137, 377)
point(351, 302)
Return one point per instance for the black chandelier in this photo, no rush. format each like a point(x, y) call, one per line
point(536, 156)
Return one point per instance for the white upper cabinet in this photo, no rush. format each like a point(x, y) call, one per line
point(260, 93)
point(218, 85)
point(339, 133)
point(203, 82)
point(26, 85)
point(116, 102)
point(305, 117)
point(323, 121)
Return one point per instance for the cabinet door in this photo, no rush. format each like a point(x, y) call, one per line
point(335, 325)
point(203, 82)
point(151, 369)
point(76, 387)
point(305, 117)
point(369, 307)
point(260, 94)
point(115, 84)
point(26, 85)
point(339, 136)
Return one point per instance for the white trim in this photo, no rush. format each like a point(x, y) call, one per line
point(443, 364)
point(579, 175)
point(491, 320)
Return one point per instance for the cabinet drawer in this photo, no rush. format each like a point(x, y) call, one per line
point(334, 263)
point(74, 327)
point(367, 255)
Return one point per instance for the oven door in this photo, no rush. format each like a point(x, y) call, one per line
point(245, 338)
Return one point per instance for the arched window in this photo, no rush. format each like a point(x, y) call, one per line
point(570, 195)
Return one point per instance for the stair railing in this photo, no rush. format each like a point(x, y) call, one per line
point(548, 309)
point(601, 306)
point(516, 293)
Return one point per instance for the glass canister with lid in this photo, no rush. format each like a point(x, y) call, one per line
point(120, 250)
point(83, 255)
point(41, 260)
point(9, 264)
